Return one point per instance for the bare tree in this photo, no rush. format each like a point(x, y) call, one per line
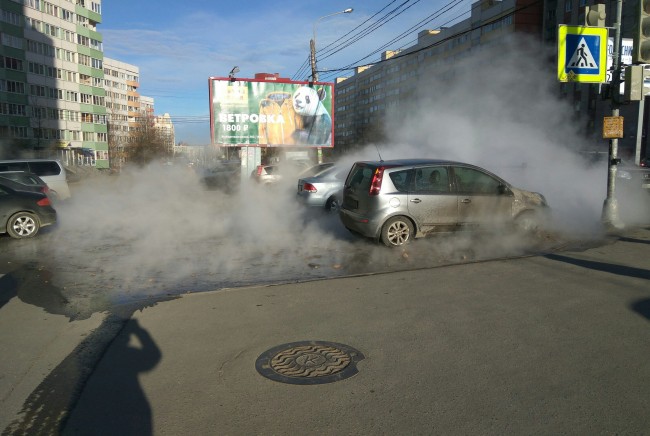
point(146, 143)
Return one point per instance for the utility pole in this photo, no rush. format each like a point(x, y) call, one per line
point(314, 69)
point(312, 43)
point(312, 49)
point(610, 216)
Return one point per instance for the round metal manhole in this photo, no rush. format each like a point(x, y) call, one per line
point(309, 362)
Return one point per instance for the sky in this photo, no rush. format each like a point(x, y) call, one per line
point(177, 46)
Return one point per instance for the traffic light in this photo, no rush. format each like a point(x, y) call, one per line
point(641, 52)
point(634, 83)
point(595, 15)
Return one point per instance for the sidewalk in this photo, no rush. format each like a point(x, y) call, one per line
point(546, 344)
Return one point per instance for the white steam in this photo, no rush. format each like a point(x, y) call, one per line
point(158, 230)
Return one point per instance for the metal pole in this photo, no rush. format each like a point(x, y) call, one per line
point(639, 131)
point(610, 216)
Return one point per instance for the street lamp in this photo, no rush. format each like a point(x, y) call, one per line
point(312, 45)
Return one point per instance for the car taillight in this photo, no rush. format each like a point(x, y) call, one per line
point(259, 170)
point(309, 187)
point(44, 202)
point(375, 184)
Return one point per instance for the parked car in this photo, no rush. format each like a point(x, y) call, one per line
point(396, 201)
point(22, 213)
point(325, 189)
point(21, 181)
point(51, 171)
point(224, 176)
point(268, 175)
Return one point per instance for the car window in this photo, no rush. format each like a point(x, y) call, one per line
point(47, 168)
point(471, 181)
point(431, 180)
point(360, 177)
point(400, 180)
point(14, 166)
point(342, 174)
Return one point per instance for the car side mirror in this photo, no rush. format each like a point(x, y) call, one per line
point(504, 190)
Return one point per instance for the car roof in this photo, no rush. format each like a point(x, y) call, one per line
point(409, 162)
point(31, 160)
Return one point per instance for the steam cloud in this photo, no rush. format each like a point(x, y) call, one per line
point(156, 230)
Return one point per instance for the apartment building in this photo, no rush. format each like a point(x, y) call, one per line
point(51, 78)
point(363, 99)
point(147, 105)
point(121, 82)
point(165, 126)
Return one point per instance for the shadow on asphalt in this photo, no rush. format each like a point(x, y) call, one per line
point(113, 399)
point(33, 285)
point(637, 241)
point(622, 270)
point(116, 404)
point(642, 307)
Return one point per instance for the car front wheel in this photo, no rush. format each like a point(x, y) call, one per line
point(397, 231)
point(528, 222)
point(23, 225)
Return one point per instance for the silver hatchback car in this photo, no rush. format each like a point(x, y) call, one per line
point(396, 201)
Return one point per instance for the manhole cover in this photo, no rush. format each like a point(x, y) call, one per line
point(309, 362)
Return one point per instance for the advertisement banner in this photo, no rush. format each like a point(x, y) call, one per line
point(246, 112)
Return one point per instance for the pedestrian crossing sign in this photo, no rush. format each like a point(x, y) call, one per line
point(582, 54)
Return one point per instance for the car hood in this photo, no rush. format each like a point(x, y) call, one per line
point(527, 199)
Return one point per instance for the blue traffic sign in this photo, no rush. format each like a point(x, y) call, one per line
point(582, 54)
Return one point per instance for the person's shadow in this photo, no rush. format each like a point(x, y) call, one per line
point(112, 401)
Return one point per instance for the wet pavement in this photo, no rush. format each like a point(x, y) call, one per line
point(208, 294)
point(552, 342)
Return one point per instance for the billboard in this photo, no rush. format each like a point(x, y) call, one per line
point(271, 113)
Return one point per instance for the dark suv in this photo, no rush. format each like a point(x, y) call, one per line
point(397, 200)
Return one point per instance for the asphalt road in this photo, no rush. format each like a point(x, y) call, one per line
point(553, 343)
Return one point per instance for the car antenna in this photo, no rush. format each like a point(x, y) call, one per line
point(380, 159)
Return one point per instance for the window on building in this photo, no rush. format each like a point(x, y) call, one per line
point(568, 5)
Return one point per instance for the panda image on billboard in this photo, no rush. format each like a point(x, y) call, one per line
point(316, 121)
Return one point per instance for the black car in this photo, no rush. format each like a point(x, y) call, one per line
point(224, 176)
point(22, 181)
point(22, 213)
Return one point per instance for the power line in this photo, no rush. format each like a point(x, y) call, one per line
point(305, 66)
point(456, 35)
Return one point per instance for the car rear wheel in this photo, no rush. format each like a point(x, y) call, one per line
point(397, 231)
point(332, 205)
point(23, 225)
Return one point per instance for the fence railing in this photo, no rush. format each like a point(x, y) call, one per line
point(76, 158)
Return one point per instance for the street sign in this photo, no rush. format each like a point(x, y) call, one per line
point(582, 54)
point(612, 127)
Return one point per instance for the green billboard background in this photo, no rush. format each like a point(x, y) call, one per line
point(271, 114)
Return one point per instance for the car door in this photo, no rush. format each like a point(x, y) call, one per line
point(432, 203)
point(483, 200)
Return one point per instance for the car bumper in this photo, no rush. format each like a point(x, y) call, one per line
point(361, 224)
point(47, 217)
point(311, 200)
